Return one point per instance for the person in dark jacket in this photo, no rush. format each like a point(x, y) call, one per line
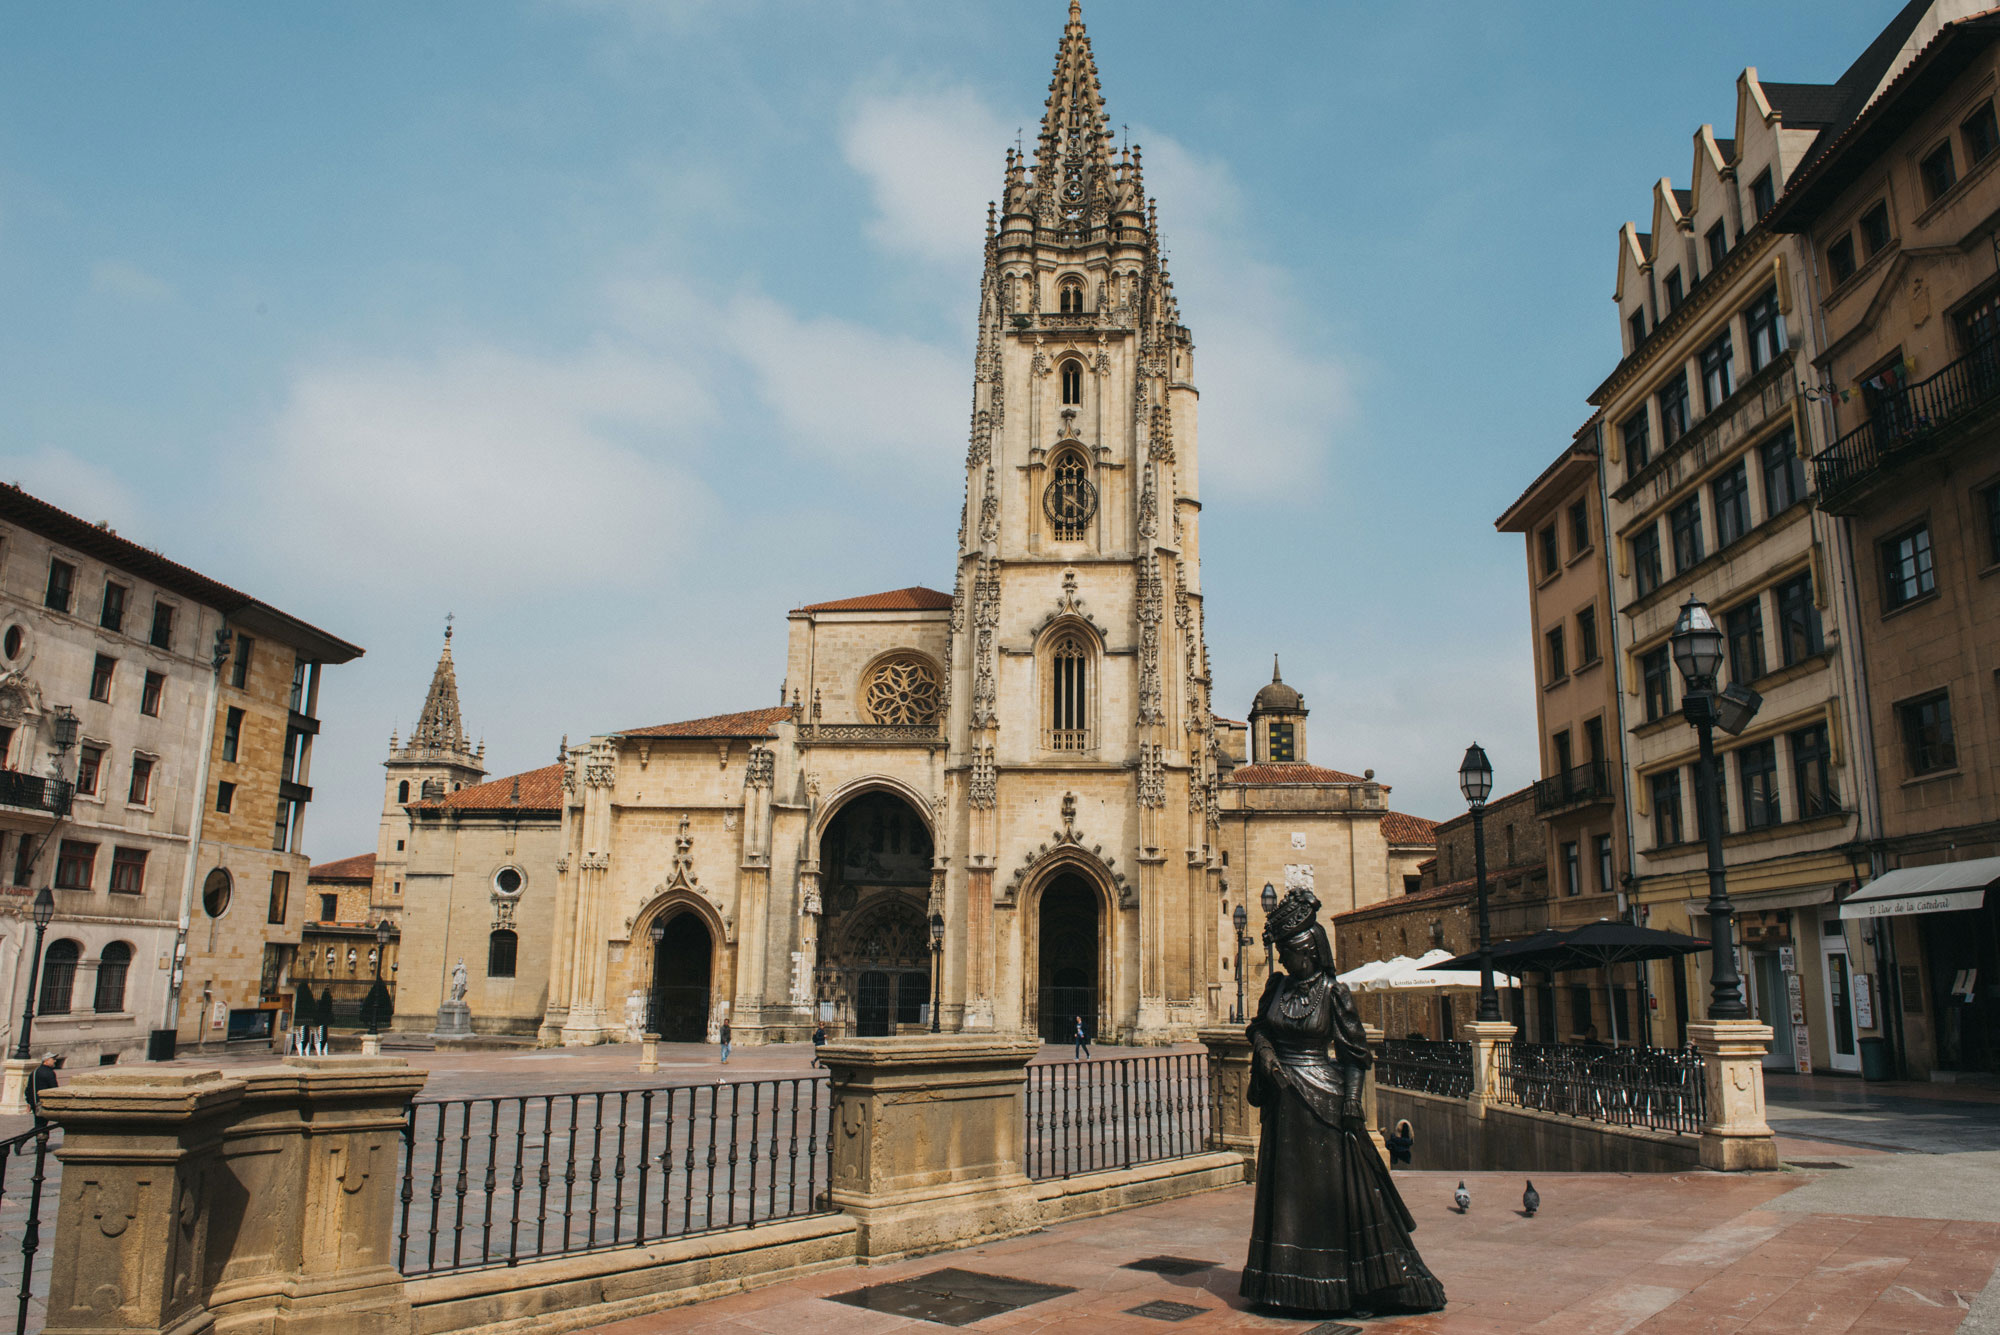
point(44, 1078)
point(1400, 1142)
point(722, 1035)
point(1082, 1041)
point(819, 1041)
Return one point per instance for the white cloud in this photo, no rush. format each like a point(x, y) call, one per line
point(484, 471)
point(76, 485)
point(121, 278)
point(932, 160)
point(852, 394)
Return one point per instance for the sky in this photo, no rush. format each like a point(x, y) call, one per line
point(617, 328)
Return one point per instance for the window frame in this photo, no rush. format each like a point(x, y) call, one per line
point(112, 969)
point(1676, 289)
point(1757, 775)
point(59, 595)
point(1657, 683)
point(152, 693)
point(1811, 624)
point(111, 610)
point(1579, 528)
point(1840, 263)
point(102, 672)
point(90, 764)
point(225, 798)
point(239, 671)
point(1717, 360)
point(1876, 228)
point(1676, 408)
point(1731, 505)
point(128, 870)
point(232, 734)
point(1572, 867)
point(1070, 373)
point(1940, 752)
point(161, 633)
point(76, 864)
point(1811, 749)
point(1907, 577)
point(1718, 245)
point(1763, 195)
point(1664, 790)
point(281, 898)
point(1586, 636)
point(1684, 522)
point(1557, 658)
point(1980, 146)
point(1636, 432)
point(139, 792)
point(1743, 635)
point(1607, 868)
point(1778, 457)
point(57, 994)
point(1764, 329)
point(1069, 659)
point(1938, 170)
point(496, 940)
point(1550, 544)
point(1647, 571)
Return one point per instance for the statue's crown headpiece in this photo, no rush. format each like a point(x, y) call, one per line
point(1295, 913)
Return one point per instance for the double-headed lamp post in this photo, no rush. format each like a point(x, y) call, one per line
point(45, 909)
point(1475, 781)
point(1242, 920)
point(937, 968)
point(1697, 647)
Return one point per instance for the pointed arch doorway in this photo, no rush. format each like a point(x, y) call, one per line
point(683, 970)
point(1068, 957)
point(874, 969)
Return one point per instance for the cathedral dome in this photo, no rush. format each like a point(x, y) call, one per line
point(1277, 698)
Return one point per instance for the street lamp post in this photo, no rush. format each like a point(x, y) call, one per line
point(1475, 781)
point(1697, 647)
point(937, 967)
point(1270, 903)
point(45, 910)
point(658, 931)
point(378, 994)
point(1242, 920)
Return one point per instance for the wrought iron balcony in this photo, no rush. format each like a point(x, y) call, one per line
point(1579, 785)
point(1906, 424)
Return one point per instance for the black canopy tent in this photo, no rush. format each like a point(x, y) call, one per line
point(1593, 945)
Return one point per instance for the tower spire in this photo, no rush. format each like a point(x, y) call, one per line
point(440, 729)
point(1075, 142)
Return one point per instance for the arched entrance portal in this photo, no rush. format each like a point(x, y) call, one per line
point(875, 873)
point(1068, 959)
point(681, 974)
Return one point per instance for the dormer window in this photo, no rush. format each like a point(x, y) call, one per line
point(1636, 321)
point(1675, 292)
point(1071, 296)
point(1718, 246)
point(1072, 382)
point(1763, 195)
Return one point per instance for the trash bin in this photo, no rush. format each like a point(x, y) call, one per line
point(160, 1045)
point(1875, 1059)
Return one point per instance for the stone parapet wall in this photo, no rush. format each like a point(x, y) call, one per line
point(1451, 1134)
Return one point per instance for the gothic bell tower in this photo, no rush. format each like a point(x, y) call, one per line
point(1081, 696)
point(436, 762)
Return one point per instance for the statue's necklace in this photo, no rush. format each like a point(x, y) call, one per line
point(1300, 1000)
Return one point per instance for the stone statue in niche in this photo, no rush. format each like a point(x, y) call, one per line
point(458, 982)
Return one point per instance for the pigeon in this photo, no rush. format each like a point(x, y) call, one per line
point(1462, 1198)
point(1531, 1201)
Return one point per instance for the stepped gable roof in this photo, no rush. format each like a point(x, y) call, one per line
point(532, 790)
point(360, 867)
point(1401, 828)
point(916, 598)
point(1249, 775)
point(749, 723)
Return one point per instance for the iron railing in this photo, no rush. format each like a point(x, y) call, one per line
point(1660, 1088)
point(32, 790)
point(1092, 1115)
point(1905, 419)
point(498, 1181)
point(28, 1175)
point(1426, 1067)
point(1588, 782)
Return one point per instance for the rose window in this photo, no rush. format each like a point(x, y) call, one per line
point(903, 690)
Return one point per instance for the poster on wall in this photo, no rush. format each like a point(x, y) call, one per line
point(1801, 1036)
point(1864, 1001)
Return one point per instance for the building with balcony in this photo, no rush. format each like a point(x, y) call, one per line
point(1897, 222)
point(182, 798)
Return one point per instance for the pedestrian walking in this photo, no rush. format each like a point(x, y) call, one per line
point(1082, 1041)
point(723, 1035)
point(819, 1041)
point(44, 1078)
point(1400, 1142)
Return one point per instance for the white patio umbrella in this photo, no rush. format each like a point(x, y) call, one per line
point(1361, 976)
point(1421, 975)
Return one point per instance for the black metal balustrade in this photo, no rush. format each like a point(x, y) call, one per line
point(1427, 1067)
point(32, 790)
point(1660, 1088)
point(498, 1181)
point(29, 1175)
point(1575, 786)
point(1904, 421)
point(1093, 1115)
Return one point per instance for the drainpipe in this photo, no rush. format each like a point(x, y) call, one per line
point(221, 656)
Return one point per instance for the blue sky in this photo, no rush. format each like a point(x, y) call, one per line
point(619, 327)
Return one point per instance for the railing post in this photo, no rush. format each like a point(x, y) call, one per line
point(1233, 1123)
point(1486, 1038)
point(1734, 1136)
point(928, 1136)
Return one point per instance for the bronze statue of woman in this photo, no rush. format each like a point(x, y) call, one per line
point(1331, 1235)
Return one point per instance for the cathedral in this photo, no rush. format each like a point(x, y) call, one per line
point(1012, 801)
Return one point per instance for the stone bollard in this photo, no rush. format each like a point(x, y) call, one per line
point(1735, 1137)
point(649, 1053)
point(261, 1200)
point(371, 1045)
point(1232, 1121)
point(15, 1073)
point(927, 1140)
point(1486, 1036)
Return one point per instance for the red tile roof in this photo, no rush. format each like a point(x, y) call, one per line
point(1399, 828)
point(1428, 895)
point(916, 598)
point(749, 723)
point(360, 867)
point(540, 790)
point(1249, 774)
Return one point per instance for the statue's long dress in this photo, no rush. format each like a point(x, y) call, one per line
point(1331, 1233)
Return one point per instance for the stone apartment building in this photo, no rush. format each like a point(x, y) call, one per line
point(126, 641)
point(1897, 224)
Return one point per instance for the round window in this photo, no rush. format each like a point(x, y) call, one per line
point(16, 638)
point(508, 882)
point(215, 893)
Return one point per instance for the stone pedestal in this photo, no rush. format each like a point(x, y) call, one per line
point(1369, 1109)
point(927, 1140)
point(371, 1045)
point(14, 1085)
point(1233, 1123)
point(1735, 1137)
point(1486, 1036)
point(454, 1021)
point(263, 1200)
point(649, 1053)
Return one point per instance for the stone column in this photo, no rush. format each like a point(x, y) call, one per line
point(927, 1140)
point(1486, 1036)
point(1233, 1123)
point(649, 1053)
point(1368, 1104)
point(1735, 1136)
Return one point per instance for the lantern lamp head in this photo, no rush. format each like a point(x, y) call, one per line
point(45, 907)
point(1475, 775)
point(1242, 919)
point(1697, 644)
point(937, 929)
point(1270, 898)
point(64, 729)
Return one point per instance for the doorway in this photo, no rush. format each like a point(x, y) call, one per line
point(1771, 1003)
point(1067, 959)
point(682, 969)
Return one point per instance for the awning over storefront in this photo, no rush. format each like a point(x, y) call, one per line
point(1939, 889)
